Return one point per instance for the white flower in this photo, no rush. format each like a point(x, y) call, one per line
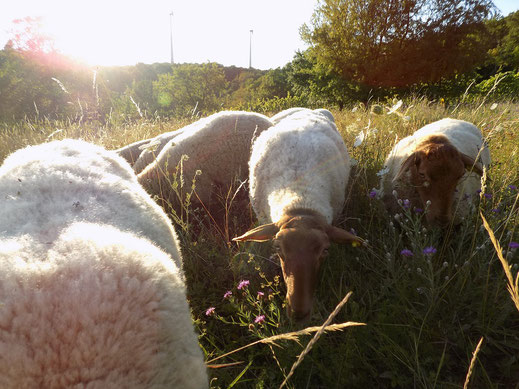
point(395, 107)
point(383, 171)
point(359, 139)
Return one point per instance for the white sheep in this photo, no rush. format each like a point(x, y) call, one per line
point(298, 174)
point(299, 110)
point(91, 291)
point(132, 151)
point(218, 146)
point(154, 146)
point(436, 164)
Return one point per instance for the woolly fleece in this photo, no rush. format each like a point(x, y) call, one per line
point(301, 162)
point(219, 146)
point(465, 136)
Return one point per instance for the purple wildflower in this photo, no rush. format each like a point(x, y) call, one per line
point(259, 319)
point(210, 311)
point(407, 204)
point(513, 245)
point(227, 294)
point(495, 210)
point(418, 210)
point(478, 191)
point(488, 195)
point(512, 187)
point(406, 253)
point(243, 284)
point(372, 194)
point(260, 295)
point(429, 250)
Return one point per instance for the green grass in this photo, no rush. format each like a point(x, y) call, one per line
point(425, 314)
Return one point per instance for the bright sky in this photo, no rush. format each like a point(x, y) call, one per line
point(122, 32)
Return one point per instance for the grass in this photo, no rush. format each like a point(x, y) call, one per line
point(425, 314)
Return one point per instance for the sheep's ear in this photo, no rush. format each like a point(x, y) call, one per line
point(338, 235)
point(259, 234)
point(471, 164)
point(414, 158)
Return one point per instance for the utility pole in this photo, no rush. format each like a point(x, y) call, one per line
point(250, 49)
point(171, 34)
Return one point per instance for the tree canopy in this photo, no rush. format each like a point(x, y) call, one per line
point(399, 43)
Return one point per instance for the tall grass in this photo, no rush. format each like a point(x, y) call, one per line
point(425, 311)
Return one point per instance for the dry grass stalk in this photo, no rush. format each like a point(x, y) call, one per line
point(316, 338)
point(513, 286)
point(292, 336)
point(472, 362)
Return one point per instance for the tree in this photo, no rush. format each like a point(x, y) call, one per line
point(191, 87)
point(505, 32)
point(393, 43)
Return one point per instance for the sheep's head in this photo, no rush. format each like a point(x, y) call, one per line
point(301, 240)
point(434, 169)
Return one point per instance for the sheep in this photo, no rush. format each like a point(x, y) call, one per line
point(437, 166)
point(88, 297)
point(299, 170)
point(299, 110)
point(218, 146)
point(155, 145)
point(132, 151)
point(78, 181)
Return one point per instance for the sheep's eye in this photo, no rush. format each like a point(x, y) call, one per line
point(325, 253)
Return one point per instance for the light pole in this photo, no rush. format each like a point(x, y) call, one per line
point(171, 34)
point(250, 49)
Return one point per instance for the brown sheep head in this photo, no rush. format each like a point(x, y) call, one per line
point(434, 170)
point(301, 239)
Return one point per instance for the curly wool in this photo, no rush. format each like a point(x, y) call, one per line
point(467, 139)
point(301, 162)
point(87, 299)
point(218, 146)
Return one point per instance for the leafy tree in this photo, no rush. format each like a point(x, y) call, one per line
point(399, 43)
point(505, 32)
point(190, 88)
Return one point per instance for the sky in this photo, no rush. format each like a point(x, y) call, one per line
point(122, 32)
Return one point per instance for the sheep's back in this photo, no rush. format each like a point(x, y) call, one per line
point(300, 162)
point(101, 308)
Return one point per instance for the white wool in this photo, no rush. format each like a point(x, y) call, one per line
point(91, 291)
point(154, 146)
point(44, 188)
point(132, 151)
point(218, 146)
point(301, 162)
point(300, 110)
point(465, 136)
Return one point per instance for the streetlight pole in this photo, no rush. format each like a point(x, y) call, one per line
point(250, 49)
point(171, 35)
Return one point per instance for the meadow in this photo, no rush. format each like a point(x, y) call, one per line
point(437, 318)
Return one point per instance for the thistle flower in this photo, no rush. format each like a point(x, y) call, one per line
point(259, 319)
point(429, 250)
point(210, 311)
point(243, 284)
point(406, 253)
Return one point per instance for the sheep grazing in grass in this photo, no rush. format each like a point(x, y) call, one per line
point(155, 145)
point(132, 151)
point(437, 166)
point(298, 174)
point(217, 146)
point(300, 110)
point(91, 291)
